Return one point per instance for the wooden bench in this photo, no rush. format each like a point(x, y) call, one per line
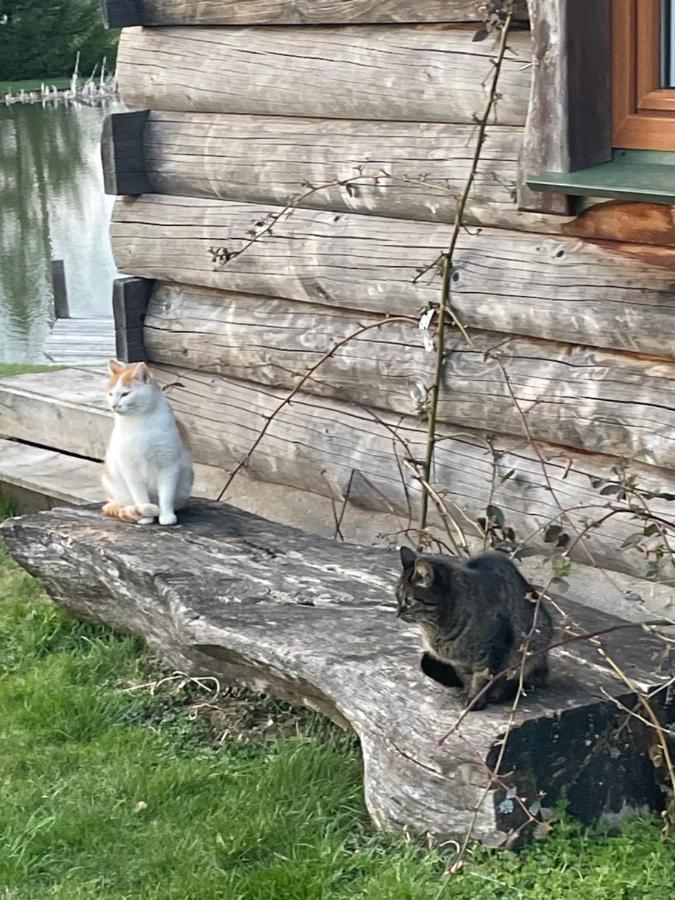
point(231, 595)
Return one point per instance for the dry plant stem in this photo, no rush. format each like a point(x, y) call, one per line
point(586, 636)
point(495, 772)
point(448, 262)
point(308, 374)
point(459, 545)
point(436, 389)
point(634, 715)
point(644, 703)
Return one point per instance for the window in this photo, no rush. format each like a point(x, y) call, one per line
point(643, 74)
point(602, 118)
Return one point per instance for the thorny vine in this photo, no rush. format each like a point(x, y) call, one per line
point(655, 534)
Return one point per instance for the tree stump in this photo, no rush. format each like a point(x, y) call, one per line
point(312, 621)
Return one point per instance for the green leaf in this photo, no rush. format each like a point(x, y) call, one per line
point(508, 475)
point(524, 552)
point(611, 489)
point(495, 515)
point(632, 540)
point(561, 565)
point(651, 530)
point(560, 584)
point(552, 533)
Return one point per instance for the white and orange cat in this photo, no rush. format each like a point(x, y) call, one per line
point(148, 467)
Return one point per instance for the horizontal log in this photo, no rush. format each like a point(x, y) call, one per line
point(609, 294)
point(341, 452)
point(306, 12)
point(604, 402)
point(407, 73)
point(273, 159)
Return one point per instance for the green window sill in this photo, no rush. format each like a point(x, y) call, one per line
point(647, 175)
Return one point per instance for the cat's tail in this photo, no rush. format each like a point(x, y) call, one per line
point(139, 514)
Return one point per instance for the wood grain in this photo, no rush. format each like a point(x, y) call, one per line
point(594, 400)
point(399, 73)
point(37, 478)
point(122, 153)
point(263, 159)
point(339, 452)
point(130, 301)
point(317, 12)
point(569, 119)
point(601, 294)
point(314, 622)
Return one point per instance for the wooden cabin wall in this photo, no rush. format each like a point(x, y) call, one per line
point(378, 102)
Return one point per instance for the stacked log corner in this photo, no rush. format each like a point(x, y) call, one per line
point(368, 110)
point(130, 302)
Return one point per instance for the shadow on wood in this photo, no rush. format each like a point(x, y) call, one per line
point(240, 598)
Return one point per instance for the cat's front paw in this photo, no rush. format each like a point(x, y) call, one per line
point(168, 519)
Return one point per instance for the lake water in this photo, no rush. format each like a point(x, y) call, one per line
point(52, 206)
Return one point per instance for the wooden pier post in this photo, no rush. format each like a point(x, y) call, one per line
point(60, 289)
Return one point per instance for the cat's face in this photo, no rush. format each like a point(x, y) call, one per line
point(130, 388)
point(416, 594)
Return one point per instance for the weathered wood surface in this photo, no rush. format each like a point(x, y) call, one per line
point(78, 341)
point(603, 294)
point(130, 301)
point(569, 117)
point(603, 402)
point(416, 74)
point(37, 478)
point(338, 451)
point(122, 153)
point(314, 622)
point(121, 13)
point(306, 12)
point(59, 289)
point(273, 159)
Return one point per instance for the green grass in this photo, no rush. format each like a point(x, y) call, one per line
point(12, 87)
point(22, 368)
point(112, 794)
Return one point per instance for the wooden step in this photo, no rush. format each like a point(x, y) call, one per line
point(65, 410)
point(34, 478)
point(79, 341)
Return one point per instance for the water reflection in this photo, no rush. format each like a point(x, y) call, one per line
point(52, 206)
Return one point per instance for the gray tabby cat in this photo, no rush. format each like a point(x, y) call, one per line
point(475, 617)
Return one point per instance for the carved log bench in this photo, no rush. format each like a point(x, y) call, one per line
point(312, 621)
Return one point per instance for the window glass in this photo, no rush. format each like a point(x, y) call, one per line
point(668, 43)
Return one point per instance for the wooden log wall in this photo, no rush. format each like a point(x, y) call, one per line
point(398, 73)
point(299, 12)
point(611, 295)
point(339, 451)
point(243, 120)
point(615, 403)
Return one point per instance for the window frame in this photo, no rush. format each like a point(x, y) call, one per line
point(643, 112)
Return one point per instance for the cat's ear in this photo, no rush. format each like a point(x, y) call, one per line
point(142, 373)
point(115, 366)
point(408, 558)
point(423, 573)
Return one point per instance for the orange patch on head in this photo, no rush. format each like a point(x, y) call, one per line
point(127, 374)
